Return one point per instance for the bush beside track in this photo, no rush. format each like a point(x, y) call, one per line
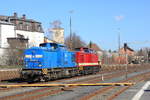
point(13, 72)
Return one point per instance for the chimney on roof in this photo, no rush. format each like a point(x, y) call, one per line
point(125, 46)
point(15, 14)
point(24, 16)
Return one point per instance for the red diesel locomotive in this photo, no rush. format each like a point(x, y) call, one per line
point(87, 61)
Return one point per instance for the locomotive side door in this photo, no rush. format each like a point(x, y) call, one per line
point(65, 60)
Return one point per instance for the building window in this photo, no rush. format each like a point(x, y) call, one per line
point(39, 28)
point(57, 34)
point(21, 25)
point(27, 27)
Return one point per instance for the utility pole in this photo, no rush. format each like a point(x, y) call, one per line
point(70, 33)
point(126, 55)
point(70, 29)
point(148, 56)
point(119, 44)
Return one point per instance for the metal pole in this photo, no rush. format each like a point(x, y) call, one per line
point(148, 56)
point(71, 11)
point(70, 33)
point(67, 85)
point(126, 55)
point(126, 65)
point(119, 44)
point(0, 36)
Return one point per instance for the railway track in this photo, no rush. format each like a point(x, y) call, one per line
point(53, 90)
point(111, 92)
point(59, 80)
point(43, 92)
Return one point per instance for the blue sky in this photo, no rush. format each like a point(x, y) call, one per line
point(95, 20)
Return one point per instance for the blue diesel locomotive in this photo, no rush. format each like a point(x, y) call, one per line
point(49, 58)
point(49, 61)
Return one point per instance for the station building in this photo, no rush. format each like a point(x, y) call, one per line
point(18, 33)
point(21, 27)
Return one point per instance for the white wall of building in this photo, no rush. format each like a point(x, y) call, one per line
point(58, 35)
point(6, 31)
point(35, 38)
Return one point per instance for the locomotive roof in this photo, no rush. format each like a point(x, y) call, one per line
point(54, 44)
point(84, 48)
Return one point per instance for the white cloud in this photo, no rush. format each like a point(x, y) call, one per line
point(119, 18)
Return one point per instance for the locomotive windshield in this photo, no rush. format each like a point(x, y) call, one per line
point(43, 45)
point(53, 46)
point(85, 50)
point(49, 45)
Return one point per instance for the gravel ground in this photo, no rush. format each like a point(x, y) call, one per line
point(25, 89)
point(73, 94)
point(128, 94)
point(16, 91)
point(76, 93)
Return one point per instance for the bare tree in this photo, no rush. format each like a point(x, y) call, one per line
point(74, 42)
point(56, 24)
point(15, 51)
point(143, 55)
point(94, 46)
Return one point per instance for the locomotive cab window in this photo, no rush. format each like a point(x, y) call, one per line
point(63, 47)
point(54, 46)
point(43, 45)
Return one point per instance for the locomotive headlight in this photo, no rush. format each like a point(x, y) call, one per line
point(28, 56)
point(40, 65)
point(38, 56)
